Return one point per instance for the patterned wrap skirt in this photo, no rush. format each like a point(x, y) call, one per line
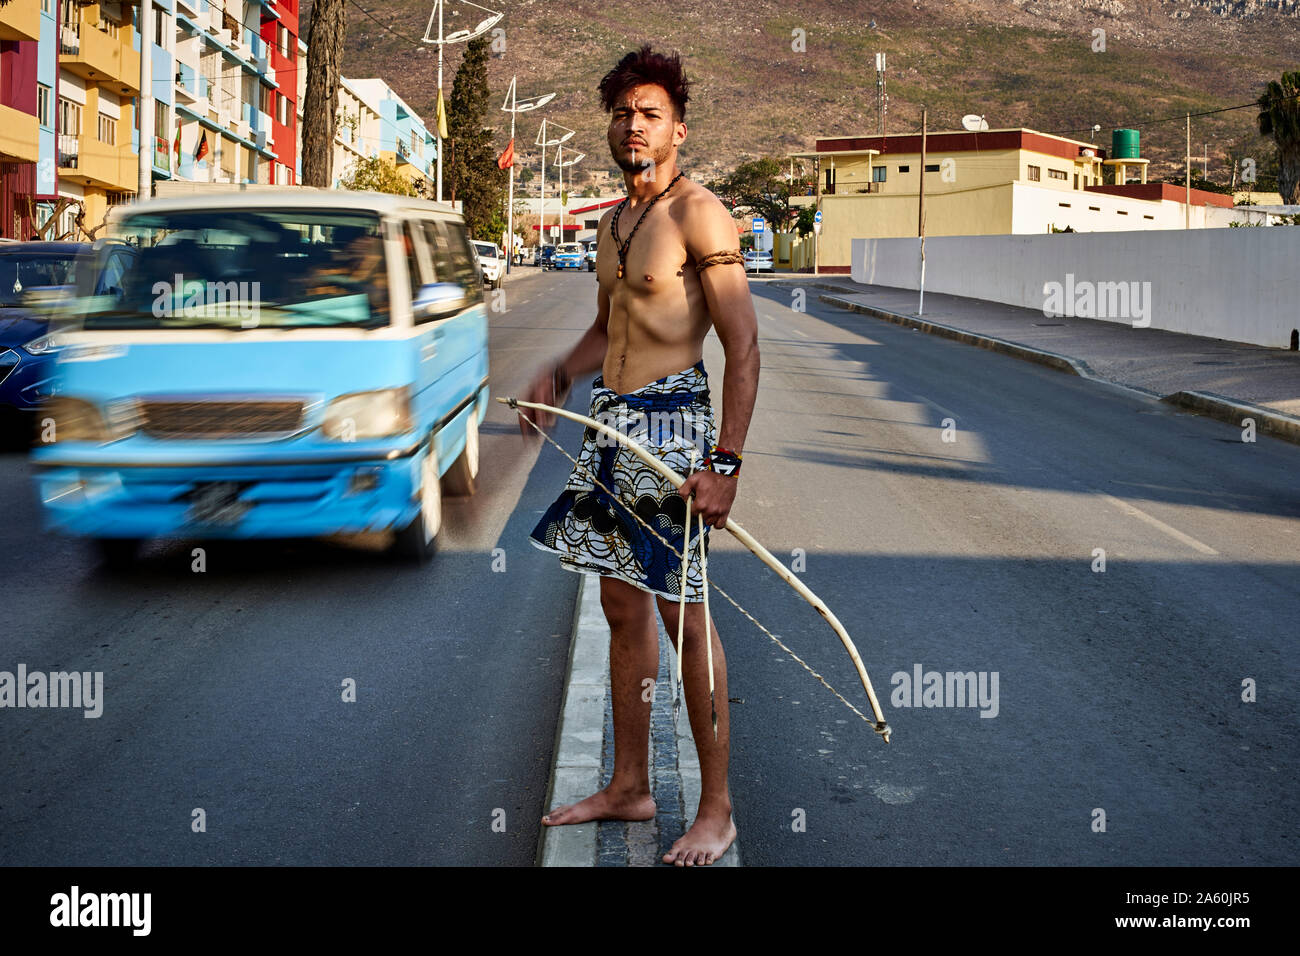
point(595, 535)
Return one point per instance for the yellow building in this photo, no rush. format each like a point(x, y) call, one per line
point(991, 182)
point(99, 75)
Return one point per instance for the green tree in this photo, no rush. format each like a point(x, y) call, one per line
point(474, 177)
point(759, 187)
point(805, 223)
point(1279, 117)
point(376, 175)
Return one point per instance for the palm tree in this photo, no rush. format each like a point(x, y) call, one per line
point(1279, 117)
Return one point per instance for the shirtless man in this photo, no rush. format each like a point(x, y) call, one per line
point(664, 281)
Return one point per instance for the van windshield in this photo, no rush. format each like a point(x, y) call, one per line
point(247, 268)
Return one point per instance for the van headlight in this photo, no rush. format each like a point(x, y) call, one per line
point(379, 414)
point(75, 419)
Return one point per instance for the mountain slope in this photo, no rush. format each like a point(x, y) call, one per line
point(1017, 63)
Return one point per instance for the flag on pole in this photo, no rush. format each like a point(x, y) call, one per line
point(176, 146)
point(442, 116)
point(202, 149)
point(507, 157)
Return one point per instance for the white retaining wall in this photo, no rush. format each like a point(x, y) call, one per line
point(1242, 285)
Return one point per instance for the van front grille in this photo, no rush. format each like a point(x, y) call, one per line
point(220, 419)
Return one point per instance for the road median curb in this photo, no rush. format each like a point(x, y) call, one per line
point(1230, 410)
point(579, 763)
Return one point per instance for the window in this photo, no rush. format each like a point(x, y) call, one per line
point(47, 6)
point(282, 39)
point(107, 130)
point(414, 255)
point(69, 117)
point(283, 103)
point(1121, 212)
point(878, 174)
point(931, 167)
point(1064, 205)
point(1057, 174)
point(904, 169)
point(1148, 217)
point(1094, 209)
point(43, 104)
point(160, 27)
point(1035, 174)
point(1076, 180)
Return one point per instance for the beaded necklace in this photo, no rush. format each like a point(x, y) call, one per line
point(622, 247)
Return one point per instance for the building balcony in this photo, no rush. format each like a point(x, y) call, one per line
point(19, 136)
point(93, 55)
point(85, 160)
point(188, 7)
point(20, 21)
point(187, 83)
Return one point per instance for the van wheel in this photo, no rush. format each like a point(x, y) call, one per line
point(117, 554)
point(419, 539)
point(461, 477)
point(496, 283)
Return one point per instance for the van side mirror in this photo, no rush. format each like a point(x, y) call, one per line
point(438, 300)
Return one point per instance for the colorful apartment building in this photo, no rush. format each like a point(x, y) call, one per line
point(402, 137)
point(992, 182)
point(26, 57)
point(288, 60)
point(226, 90)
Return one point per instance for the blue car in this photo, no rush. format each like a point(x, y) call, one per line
point(31, 275)
point(278, 363)
point(570, 255)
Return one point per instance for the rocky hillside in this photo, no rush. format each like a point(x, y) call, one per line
point(770, 75)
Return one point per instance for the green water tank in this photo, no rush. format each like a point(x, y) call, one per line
point(1124, 144)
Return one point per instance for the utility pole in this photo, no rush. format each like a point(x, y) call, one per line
point(1187, 206)
point(145, 15)
point(920, 214)
point(881, 99)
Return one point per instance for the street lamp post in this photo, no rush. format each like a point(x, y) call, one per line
point(543, 140)
point(512, 106)
point(456, 36)
point(559, 155)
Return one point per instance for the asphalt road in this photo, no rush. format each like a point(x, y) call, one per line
point(1118, 691)
point(223, 689)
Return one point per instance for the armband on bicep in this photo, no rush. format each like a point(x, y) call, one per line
point(724, 258)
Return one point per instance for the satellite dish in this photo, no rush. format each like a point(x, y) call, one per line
point(974, 122)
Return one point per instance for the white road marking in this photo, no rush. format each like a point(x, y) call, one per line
point(797, 332)
point(1136, 512)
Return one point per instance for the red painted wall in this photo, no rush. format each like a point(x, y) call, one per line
point(284, 135)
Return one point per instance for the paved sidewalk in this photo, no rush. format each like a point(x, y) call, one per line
point(1227, 380)
point(584, 756)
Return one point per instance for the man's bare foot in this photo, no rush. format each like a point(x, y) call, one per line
point(707, 839)
point(607, 804)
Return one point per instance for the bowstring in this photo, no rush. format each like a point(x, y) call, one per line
point(615, 497)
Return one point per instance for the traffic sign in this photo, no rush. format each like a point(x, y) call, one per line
point(817, 219)
point(758, 225)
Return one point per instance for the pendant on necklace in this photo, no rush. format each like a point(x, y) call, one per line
point(620, 271)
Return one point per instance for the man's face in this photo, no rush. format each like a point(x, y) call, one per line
point(642, 131)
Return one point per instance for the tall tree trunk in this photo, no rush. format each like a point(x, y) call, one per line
point(320, 108)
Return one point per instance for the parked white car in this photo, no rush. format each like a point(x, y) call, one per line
point(758, 261)
point(491, 262)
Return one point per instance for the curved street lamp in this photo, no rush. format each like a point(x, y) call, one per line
point(457, 36)
point(559, 153)
point(514, 105)
point(544, 140)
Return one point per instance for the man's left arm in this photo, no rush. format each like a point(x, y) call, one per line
point(710, 230)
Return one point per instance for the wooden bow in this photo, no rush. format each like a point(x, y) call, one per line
point(745, 538)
